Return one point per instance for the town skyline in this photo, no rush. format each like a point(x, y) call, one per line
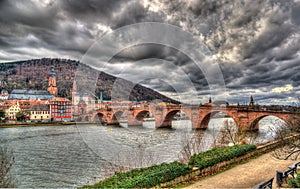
point(255, 44)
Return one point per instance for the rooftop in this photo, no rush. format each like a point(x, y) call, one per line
point(30, 94)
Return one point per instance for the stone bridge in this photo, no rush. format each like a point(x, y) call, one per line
point(246, 119)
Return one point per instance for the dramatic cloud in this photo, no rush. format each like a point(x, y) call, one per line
point(256, 43)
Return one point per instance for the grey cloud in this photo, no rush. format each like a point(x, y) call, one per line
point(256, 42)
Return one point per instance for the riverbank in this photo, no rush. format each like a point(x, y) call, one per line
point(12, 125)
point(200, 166)
point(226, 165)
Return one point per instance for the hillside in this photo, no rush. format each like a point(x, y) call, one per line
point(33, 74)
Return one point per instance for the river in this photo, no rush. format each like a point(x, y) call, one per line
point(71, 156)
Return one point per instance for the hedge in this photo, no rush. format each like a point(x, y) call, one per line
point(157, 174)
point(217, 155)
point(145, 177)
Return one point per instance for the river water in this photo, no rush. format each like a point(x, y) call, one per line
point(71, 156)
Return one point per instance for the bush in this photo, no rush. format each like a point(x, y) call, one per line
point(294, 182)
point(218, 155)
point(145, 177)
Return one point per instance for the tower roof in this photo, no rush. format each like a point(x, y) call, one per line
point(52, 73)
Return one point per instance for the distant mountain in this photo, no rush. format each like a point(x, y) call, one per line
point(33, 74)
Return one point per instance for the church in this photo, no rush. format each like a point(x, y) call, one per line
point(25, 94)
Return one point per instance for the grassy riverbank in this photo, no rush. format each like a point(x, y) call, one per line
point(164, 173)
point(200, 166)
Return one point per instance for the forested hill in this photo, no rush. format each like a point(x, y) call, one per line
point(33, 74)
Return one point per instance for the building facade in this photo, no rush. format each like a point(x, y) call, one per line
point(60, 109)
point(40, 113)
point(12, 109)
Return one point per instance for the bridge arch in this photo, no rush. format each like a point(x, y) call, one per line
point(167, 120)
point(254, 124)
point(138, 118)
point(86, 119)
point(206, 118)
point(116, 117)
point(141, 115)
point(99, 117)
point(79, 119)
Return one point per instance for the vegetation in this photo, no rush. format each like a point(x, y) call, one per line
point(145, 177)
point(2, 115)
point(217, 155)
point(33, 74)
point(6, 163)
point(22, 115)
point(294, 182)
point(154, 175)
point(288, 149)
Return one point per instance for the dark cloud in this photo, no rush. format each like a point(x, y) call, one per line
point(256, 43)
point(174, 59)
point(296, 13)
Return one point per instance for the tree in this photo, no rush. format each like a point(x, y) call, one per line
point(191, 144)
point(126, 160)
point(23, 115)
point(2, 115)
point(6, 162)
point(288, 149)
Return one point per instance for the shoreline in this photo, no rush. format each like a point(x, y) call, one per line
point(15, 125)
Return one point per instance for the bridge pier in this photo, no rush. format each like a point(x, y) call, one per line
point(165, 124)
point(135, 122)
point(112, 122)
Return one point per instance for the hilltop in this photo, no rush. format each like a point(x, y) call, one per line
point(33, 74)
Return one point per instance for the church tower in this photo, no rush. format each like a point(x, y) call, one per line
point(74, 93)
point(52, 88)
point(251, 104)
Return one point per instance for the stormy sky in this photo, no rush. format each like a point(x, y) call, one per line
point(255, 44)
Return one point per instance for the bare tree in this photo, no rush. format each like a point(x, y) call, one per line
point(191, 144)
point(288, 149)
point(6, 163)
point(128, 159)
point(231, 134)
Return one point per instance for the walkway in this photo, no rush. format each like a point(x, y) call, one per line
point(245, 175)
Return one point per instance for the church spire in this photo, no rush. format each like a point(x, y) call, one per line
point(251, 104)
point(101, 96)
point(52, 73)
point(52, 82)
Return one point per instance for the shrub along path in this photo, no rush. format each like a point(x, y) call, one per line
point(245, 175)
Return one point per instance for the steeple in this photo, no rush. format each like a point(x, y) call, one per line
point(251, 104)
point(52, 73)
point(101, 97)
point(52, 82)
point(74, 86)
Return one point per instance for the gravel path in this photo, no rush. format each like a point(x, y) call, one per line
point(245, 175)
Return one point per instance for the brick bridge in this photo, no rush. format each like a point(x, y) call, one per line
point(245, 118)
